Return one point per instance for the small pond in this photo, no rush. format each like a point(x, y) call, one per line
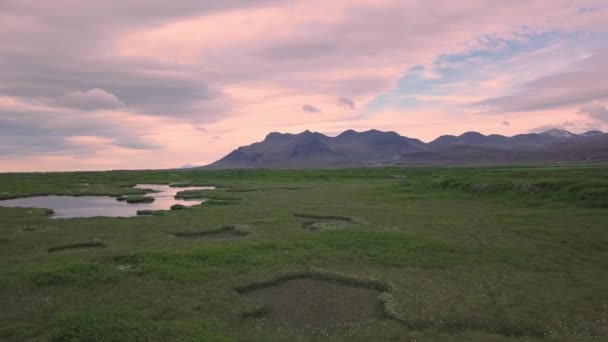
point(92, 206)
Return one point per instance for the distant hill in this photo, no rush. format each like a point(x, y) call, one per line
point(376, 148)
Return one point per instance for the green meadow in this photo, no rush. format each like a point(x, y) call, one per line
point(376, 254)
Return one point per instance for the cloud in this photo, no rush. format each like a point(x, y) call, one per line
point(299, 50)
point(98, 69)
point(90, 100)
point(310, 109)
point(144, 89)
point(345, 101)
point(506, 123)
point(581, 83)
point(35, 131)
point(596, 111)
point(134, 143)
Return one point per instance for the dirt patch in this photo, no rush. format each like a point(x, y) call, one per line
point(78, 245)
point(222, 232)
point(316, 303)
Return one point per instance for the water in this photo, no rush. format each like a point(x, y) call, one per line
point(93, 206)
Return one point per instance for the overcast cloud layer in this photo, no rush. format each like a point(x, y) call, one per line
point(156, 84)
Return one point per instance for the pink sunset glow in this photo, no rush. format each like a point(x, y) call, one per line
point(92, 85)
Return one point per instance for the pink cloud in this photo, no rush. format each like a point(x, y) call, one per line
point(158, 70)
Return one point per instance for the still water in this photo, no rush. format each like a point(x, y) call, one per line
point(92, 206)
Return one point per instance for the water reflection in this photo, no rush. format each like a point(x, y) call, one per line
point(92, 206)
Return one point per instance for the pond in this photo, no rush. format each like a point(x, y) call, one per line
point(93, 206)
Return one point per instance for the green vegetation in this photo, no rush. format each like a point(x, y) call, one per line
point(219, 195)
point(151, 212)
point(95, 243)
point(319, 275)
point(140, 199)
point(210, 197)
point(447, 254)
point(233, 229)
point(325, 217)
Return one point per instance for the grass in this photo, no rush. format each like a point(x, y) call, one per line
point(455, 254)
point(237, 230)
point(347, 279)
point(139, 199)
point(324, 217)
point(206, 194)
point(77, 245)
point(146, 212)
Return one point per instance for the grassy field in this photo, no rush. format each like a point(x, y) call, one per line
point(420, 254)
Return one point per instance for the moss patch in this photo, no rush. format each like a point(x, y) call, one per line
point(315, 300)
point(140, 199)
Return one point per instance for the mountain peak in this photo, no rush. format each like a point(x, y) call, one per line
point(558, 133)
point(277, 137)
point(472, 134)
point(592, 133)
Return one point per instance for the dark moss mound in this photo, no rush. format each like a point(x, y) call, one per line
point(183, 184)
point(325, 225)
point(88, 244)
point(178, 207)
point(324, 217)
point(224, 231)
point(324, 222)
point(213, 202)
point(151, 212)
point(243, 190)
point(140, 199)
point(200, 194)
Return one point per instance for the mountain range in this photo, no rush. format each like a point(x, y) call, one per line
point(378, 148)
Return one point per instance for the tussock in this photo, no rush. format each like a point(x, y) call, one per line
point(202, 194)
point(140, 199)
point(151, 212)
point(324, 217)
point(234, 229)
point(218, 202)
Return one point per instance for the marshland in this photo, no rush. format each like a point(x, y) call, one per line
point(421, 254)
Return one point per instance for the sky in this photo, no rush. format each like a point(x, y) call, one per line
point(133, 84)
